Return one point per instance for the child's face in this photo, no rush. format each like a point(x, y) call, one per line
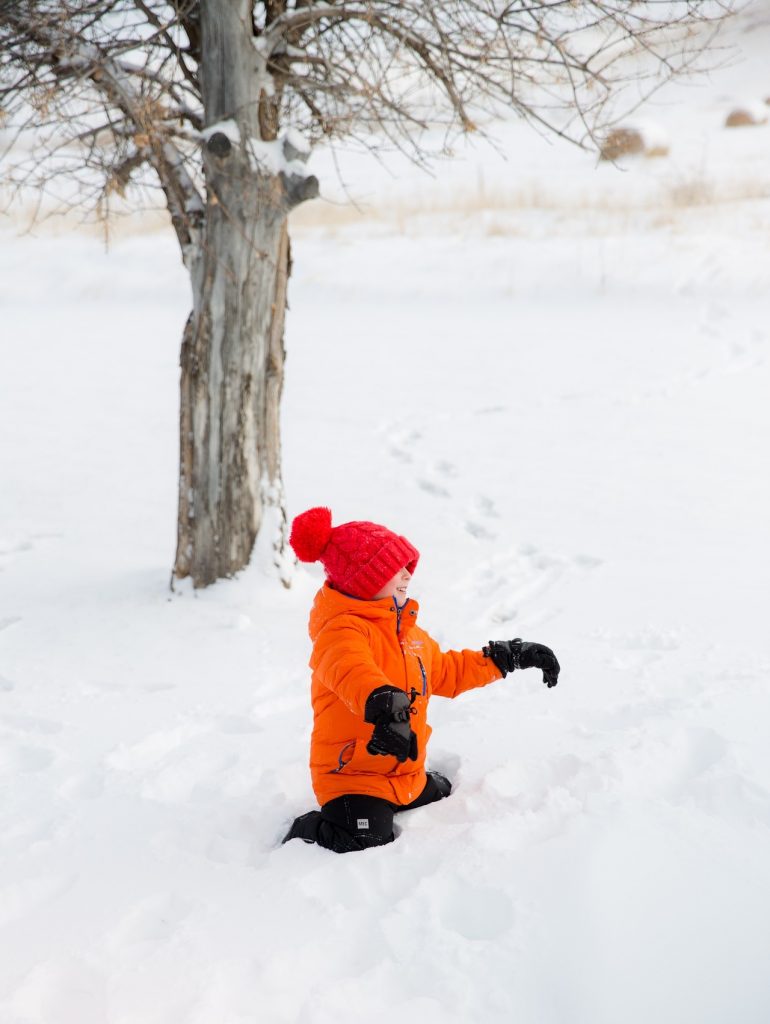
point(396, 587)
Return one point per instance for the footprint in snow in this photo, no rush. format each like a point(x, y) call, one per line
point(747, 353)
point(433, 488)
point(444, 468)
point(481, 508)
point(485, 507)
point(478, 530)
point(435, 478)
point(401, 443)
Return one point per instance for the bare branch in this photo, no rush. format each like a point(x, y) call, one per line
point(378, 71)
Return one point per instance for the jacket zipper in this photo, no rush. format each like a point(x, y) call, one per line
point(424, 676)
point(399, 610)
point(412, 693)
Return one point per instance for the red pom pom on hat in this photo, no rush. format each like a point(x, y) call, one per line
point(310, 533)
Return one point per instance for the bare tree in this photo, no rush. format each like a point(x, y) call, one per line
point(218, 103)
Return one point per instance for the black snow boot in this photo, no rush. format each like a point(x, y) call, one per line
point(305, 827)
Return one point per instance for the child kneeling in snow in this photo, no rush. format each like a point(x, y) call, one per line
point(374, 671)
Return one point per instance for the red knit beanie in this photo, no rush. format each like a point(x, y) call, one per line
point(359, 558)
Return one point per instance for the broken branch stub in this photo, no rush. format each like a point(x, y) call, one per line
point(219, 145)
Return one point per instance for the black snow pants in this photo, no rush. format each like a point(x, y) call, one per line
point(355, 821)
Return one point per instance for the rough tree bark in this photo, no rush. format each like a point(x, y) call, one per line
point(232, 353)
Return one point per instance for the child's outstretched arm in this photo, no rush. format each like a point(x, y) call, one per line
point(454, 672)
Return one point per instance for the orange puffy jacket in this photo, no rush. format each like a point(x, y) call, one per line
point(358, 646)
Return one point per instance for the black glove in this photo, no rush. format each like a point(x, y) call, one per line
point(512, 654)
point(389, 710)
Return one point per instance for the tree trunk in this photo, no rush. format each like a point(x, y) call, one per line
point(232, 352)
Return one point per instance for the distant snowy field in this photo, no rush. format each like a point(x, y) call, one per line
point(554, 379)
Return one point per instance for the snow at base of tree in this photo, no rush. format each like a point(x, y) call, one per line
point(563, 405)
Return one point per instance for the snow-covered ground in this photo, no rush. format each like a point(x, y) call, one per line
point(553, 379)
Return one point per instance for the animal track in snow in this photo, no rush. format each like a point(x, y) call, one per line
point(481, 508)
point(433, 488)
point(726, 349)
point(746, 353)
point(403, 445)
point(401, 442)
point(485, 507)
point(435, 476)
point(478, 530)
point(741, 350)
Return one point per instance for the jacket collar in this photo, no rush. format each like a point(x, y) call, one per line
point(329, 603)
